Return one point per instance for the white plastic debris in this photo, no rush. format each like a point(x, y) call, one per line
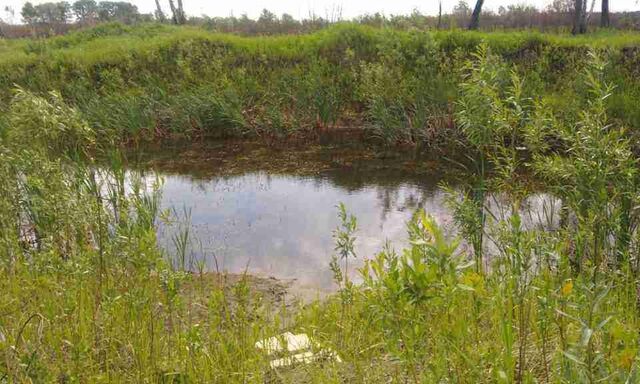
point(297, 349)
point(2, 338)
point(292, 342)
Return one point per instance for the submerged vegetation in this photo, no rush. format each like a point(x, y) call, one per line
point(86, 294)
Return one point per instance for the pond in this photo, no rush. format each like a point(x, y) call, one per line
point(272, 213)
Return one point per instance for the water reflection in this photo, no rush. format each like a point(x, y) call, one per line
point(281, 226)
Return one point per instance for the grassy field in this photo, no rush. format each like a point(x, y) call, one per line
point(399, 86)
point(86, 294)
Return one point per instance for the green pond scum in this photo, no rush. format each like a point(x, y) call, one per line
point(87, 295)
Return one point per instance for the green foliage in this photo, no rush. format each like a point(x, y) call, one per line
point(87, 295)
point(156, 80)
point(49, 124)
point(404, 89)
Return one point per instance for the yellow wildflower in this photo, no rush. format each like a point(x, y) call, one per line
point(567, 288)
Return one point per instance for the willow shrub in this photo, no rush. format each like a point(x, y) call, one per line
point(552, 303)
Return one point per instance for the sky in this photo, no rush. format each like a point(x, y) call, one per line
point(302, 8)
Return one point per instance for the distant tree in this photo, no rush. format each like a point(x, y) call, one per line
point(10, 14)
point(6, 20)
point(245, 24)
point(267, 17)
point(63, 13)
point(288, 19)
point(288, 23)
point(267, 21)
point(475, 16)
point(126, 12)
point(461, 9)
point(561, 6)
point(580, 17)
point(106, 10)
point(118, 11)
point(375, 20)
point(604, 16)
point(158, 13)
point(520, 15)
point(29, 14)
point(50, 13)
point(85, 10)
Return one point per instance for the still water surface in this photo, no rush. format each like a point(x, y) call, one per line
point(271, 220)
point(282, 225)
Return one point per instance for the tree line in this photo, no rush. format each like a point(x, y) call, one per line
point(579, 8)
point(86, 11)
point(59, 17)
point(81, 11)
point(559, 15)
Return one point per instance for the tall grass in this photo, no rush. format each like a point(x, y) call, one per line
point(86, 294)
point(154, 81)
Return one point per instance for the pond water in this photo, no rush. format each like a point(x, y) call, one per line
point(282, 225)
point(273, 221)
point(272, 213)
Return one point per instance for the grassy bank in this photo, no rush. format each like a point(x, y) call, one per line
point(86, 294)
point(154, 81)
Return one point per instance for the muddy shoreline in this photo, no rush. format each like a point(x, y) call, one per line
point(269, 293)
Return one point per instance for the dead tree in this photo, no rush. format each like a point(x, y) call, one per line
point(159, 14)
point(475, 16)
point(177, 12)
point(580, 17)
point(183, 17)
point(173, 11)
point(604, 16)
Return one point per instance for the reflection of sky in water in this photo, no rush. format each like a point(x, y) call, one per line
point(282, 226)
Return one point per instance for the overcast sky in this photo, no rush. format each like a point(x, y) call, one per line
point(302, 8)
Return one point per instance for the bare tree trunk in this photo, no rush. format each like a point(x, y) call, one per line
point(159, 13)
point(593, 6)
point(580, 17)
point(440, 14)
point(475, 16)
point(583, 17)
point(577, 9)
point(604, 17)
point(174, 12)
point(183, 18)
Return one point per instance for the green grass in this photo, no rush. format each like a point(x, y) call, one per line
point(282, 85)
point(87, 295)
point(114, 38)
